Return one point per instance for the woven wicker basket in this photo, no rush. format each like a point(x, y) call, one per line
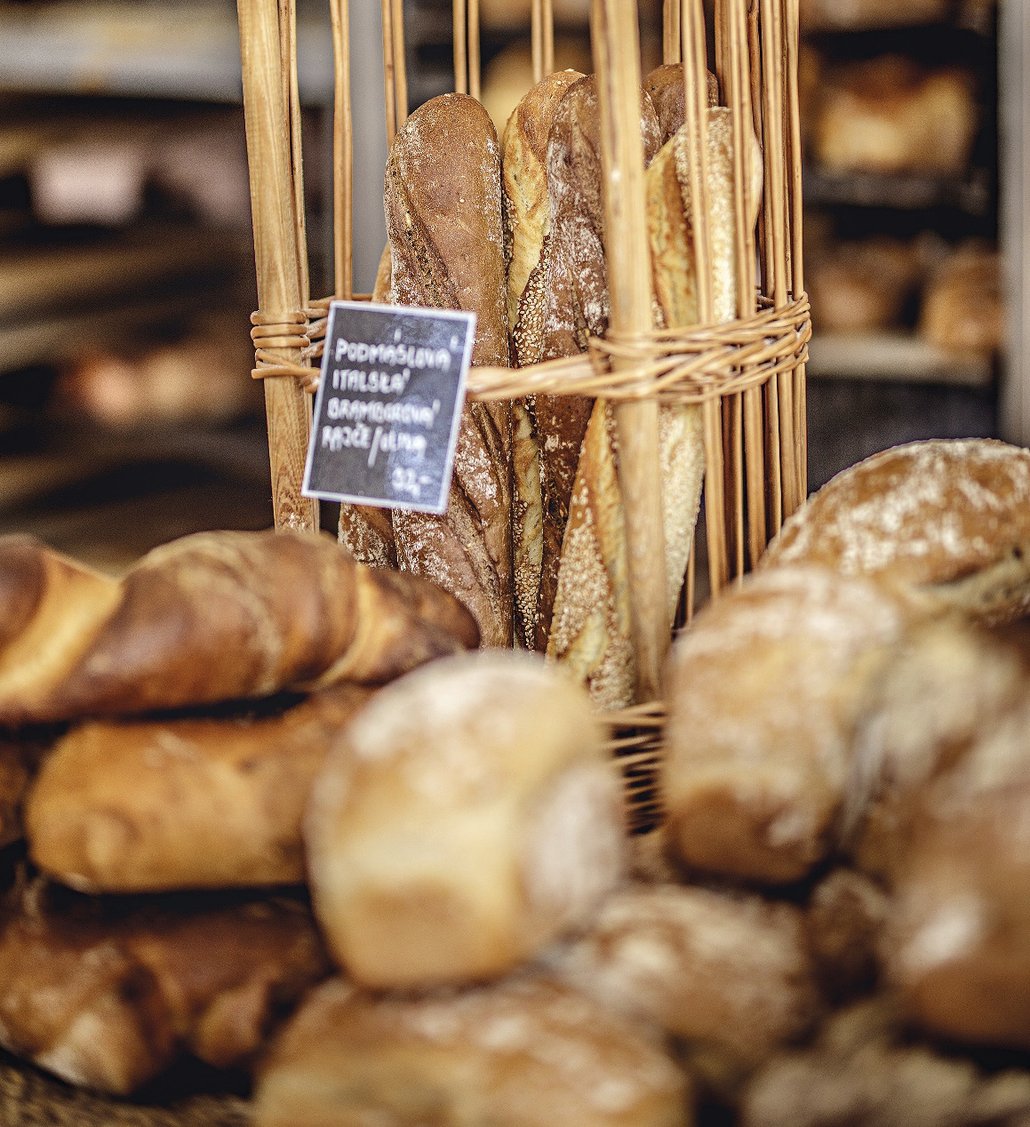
point(748, 374)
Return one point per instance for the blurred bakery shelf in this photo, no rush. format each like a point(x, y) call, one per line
point(897, 357)
point(973, 194)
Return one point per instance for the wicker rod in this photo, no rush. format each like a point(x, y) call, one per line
point(343, 152)
point(797, 280)
point(617, 64)
point(274, 203)
point(672, 43)
point(472, 39)
point(541, 31)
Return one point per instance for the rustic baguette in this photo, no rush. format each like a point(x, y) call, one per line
point(565, 301)
point(184, 802)
point(107, 993)
point(209, 617)
point(590, 632)
point(527, 209)
point(446, 231)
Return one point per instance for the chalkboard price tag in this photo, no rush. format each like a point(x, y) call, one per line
point(388, 405)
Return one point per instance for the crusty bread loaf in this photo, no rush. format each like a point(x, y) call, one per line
point(948, 686)
point(106, 993)
point(888, 114)
point(465, 819)
point(590, 633)
point(184, 802)
point(291, 609)
point(947, 517)
point(712, 969)
point(957, 945)
point(764, 692)
point(665, 87)
point(527, 209)
point(565, 301)
point(446, 232)
point(964, 307)
point(526, 1051)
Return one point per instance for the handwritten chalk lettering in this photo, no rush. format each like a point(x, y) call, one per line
point(392, 355)
point(389, 441)
point(374, 382)
point(346, 438)
point(388, 406)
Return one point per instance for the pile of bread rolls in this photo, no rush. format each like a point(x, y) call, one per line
point(533, 540)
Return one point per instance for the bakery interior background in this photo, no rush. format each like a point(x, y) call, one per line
point(127, 416)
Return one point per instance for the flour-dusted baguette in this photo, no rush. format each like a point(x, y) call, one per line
point(107, 993)
point(765, 691)
point(465, 819)
point(210, 617)
point(946, 517)
point(184, 802)
point(527, 208)
point(528, 1051)
point(590, 633)
point(565, 302)
point(445, 227)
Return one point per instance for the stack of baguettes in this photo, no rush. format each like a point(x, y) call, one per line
point(533, 539)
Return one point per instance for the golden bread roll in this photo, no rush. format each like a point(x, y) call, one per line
point(467, 817)
point(293, 610)
point(764, 693)
point(447, 246)
point(184, 802)
point(525, 1051)
point(712, 969)
point(106, 993)
point(945, 517)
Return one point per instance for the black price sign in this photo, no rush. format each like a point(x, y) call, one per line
point(388, 405)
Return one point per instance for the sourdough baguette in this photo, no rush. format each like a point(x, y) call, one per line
point(107, 993)
point(665, 87)
point(445, 227)
point(465, 819)
point(945, 517)
point(527, 210)
point(590, 634)
point(565, 301)
point(292, 610)
point(527, 1051)
point(184, 802)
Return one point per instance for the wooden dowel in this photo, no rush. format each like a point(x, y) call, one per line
point(400, 69)
point(461, 54)
point(274, 203)
point(672, 45)
point(343, 153)
point(548, 37)
point(617, 64)
point(536, 38)
point(389, 64)
point(474, 64)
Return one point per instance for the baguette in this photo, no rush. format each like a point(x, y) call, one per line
point(527, 211)
point(445, 227)
point(106, 994)
point(293, 610)
point(665, 87)
point(565, 301)
point(590, 635)
point(184, 802)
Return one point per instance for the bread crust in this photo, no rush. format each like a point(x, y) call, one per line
point(446, 231)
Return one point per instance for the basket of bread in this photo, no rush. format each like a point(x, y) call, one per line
point(548, 809)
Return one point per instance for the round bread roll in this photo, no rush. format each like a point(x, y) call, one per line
point(948, 517)
point(526, 1051)
point(466, 818)
point(719, 970)
point(764, 694)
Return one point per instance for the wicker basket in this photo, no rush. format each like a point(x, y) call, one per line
point(748, 374)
